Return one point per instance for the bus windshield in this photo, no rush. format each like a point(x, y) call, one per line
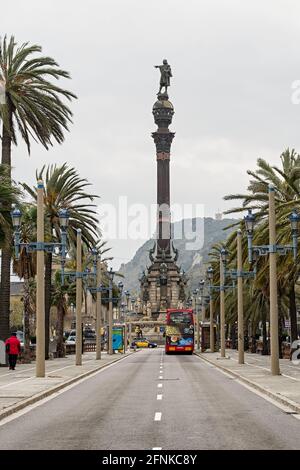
point(180, 317)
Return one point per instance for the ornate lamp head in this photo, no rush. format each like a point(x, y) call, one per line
point(16, 216)
point(249, 222)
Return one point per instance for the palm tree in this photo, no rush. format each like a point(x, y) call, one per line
point(60, 296)
point(33, 106)
point(64, 188)
point(8, 196)
point(65, 294)
point(25, 268)
point(286, 182)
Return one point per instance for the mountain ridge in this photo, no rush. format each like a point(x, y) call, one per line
point(209, 231)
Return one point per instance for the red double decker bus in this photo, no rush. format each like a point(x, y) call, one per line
point(179, 331)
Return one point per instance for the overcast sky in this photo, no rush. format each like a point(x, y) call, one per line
point(233, 66)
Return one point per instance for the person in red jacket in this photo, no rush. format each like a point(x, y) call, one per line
point(13, 349)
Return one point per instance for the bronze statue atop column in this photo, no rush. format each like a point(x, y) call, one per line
point(165, 75)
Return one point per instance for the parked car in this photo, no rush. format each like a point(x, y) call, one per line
point(89, 334)
point(20, 336)
point(71, 340)
point(143, 343)
point(295, 356)
point(68, 333)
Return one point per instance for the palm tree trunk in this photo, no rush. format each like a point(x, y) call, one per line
point(60, 330)
point(6, 252)
point(280, 320)
point(264, 331)
point(85, 303)
point(48, 286)
point(293, 312)
point(27, 309)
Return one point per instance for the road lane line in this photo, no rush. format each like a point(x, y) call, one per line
point(159, 397)
point(159, 385)
point(156, 448)
point(157, 416)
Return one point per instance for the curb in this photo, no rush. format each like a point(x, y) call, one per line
point(284, 401)
point(39, 396)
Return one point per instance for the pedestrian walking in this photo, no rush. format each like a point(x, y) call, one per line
point(13, 349)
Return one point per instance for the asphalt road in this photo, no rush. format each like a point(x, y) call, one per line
point(148, 401)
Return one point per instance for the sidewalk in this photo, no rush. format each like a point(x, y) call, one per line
point(21, 388)
point(285, 388)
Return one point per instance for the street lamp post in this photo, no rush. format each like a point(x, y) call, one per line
point(201, 289)
point(40, 284)
point(110, 312)
point(78, 276)
point(128, 325)
point(198, 327)
point(127, 295)
point(98, 309)
point(40, 247)
point(98, 289)
point(196, 312)
point(240, 274)
point(223, 255)
point(204, 300)
point(210, 275)
point(221, 288)
point(120, 287)
point(241, 352)
point(275, 368)
point(272, 250)
point(78, 300)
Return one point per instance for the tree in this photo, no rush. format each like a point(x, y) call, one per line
point(64, 188)
point(25, 268)
point(60, 296)
point(34, 107)
point(286, 182)
point(255, 292)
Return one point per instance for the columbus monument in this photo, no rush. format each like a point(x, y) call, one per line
point(162, 284)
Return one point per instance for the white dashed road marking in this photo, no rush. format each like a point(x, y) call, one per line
point(159, 385)
point(159, 397)
point(157, 416)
